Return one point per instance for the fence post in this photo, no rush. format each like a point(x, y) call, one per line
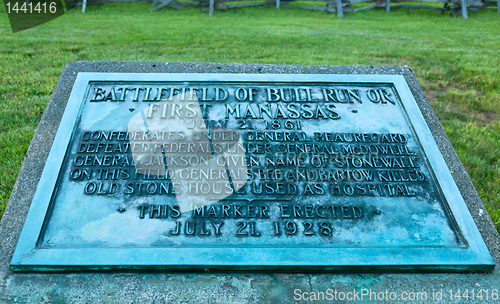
point(278, 3)
point(388, 6)
point(211, 8)
point(464, 9)
point(339, 8)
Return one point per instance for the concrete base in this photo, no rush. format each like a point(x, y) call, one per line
point(150, 287)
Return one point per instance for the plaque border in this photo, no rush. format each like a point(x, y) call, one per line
point(28, 256)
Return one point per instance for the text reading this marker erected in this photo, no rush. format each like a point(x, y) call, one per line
point(220, 171)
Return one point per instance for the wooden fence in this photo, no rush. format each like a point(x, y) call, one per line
point(329, 6)
point(341, 6)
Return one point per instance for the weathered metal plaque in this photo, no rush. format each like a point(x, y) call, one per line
point(226, 171)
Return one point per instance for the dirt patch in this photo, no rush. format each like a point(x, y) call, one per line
point(489, 117)
point(431, 95)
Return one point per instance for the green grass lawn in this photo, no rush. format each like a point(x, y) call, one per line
point(455, 60)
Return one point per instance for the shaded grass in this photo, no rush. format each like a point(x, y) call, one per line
point(455, 60)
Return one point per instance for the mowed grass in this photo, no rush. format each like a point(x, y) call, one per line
point(455, 60)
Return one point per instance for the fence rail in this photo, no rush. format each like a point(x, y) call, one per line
point(329, 6)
